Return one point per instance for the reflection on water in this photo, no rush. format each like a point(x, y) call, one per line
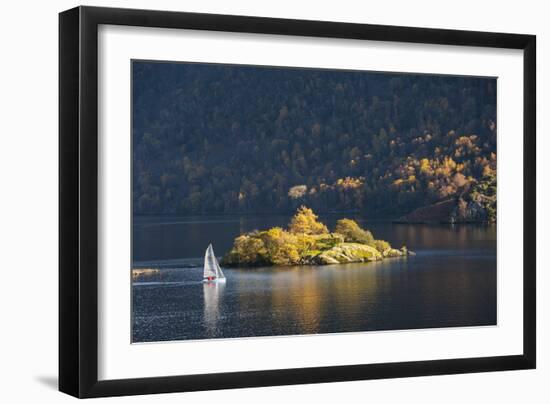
point(213, 293)
point(451, 282)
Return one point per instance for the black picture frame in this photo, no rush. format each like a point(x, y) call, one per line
point(78, 201)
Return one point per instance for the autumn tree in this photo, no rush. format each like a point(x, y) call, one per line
point(352, 232)
point(381, 245)
point(297, 191)
point(305, 221)
point(281, 246)
point(247, 250)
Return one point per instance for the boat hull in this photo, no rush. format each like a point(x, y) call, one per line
point(216, 280)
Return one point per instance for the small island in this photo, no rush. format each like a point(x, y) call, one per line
point(309, 242)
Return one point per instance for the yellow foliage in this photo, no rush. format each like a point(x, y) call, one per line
point(247, 249)
point(425, 167)
point(305, 221)
point(349, 183)
point(449, 162)
point(381, 245)
point(352, 232)
point(398, 182)
point(281, 246)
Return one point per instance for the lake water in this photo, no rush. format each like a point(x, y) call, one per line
point(451, 282)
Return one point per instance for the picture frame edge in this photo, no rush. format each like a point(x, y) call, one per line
point(78, 205)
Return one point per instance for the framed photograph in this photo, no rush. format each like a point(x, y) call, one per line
point(251, 201)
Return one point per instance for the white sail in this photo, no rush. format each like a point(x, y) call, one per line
point(219, 272)
point(212, 270)
point(209, 263)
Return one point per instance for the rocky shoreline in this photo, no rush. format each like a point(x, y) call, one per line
point(347, 253)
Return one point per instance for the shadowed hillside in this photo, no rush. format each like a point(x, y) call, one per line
point(229, 139)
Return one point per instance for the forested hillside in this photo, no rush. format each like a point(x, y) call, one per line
point(228, 139)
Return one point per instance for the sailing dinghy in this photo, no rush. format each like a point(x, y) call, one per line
point(212, 270)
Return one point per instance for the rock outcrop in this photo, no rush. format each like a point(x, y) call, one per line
point(355, 252)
